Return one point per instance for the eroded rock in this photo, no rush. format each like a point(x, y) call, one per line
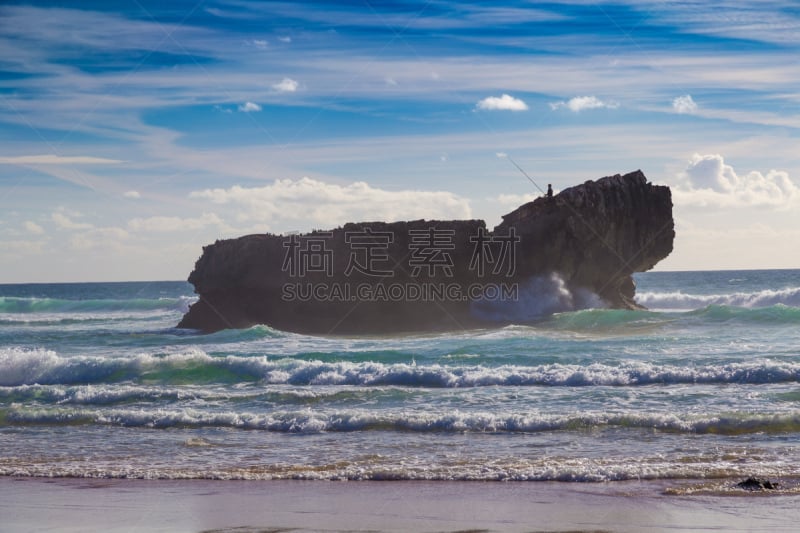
point(575, 250)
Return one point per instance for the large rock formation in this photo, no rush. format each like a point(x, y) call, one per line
point(576, 249)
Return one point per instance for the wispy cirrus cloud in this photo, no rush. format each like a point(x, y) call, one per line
point(53, 159)
point(112, 94)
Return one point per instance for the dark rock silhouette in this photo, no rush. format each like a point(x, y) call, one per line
point(576, 249)
point(754, 483)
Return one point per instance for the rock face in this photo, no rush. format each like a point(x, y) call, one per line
point(574, 250)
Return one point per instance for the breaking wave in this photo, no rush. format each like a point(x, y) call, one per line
point(789, 297)
point(38, 366)
point(539, 297)
point(308, 421)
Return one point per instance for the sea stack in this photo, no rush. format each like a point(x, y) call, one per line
point(576, 249)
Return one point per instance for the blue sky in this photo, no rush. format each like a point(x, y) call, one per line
point(134, 132)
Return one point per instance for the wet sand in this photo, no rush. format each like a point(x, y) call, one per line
point(40, 504)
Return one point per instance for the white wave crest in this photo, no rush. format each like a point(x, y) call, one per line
point(548, 468)
point(349, 420)
point(28, 367)
point(19, 366)
point(680, 300)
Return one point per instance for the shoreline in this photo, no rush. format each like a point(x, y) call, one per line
point(81, 504)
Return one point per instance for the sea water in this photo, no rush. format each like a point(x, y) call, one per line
point(95, 381)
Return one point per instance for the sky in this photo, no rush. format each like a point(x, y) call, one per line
point(133, 133)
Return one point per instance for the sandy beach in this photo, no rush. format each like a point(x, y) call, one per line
point(35, 504)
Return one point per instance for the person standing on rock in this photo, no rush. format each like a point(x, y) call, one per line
point(549, 190)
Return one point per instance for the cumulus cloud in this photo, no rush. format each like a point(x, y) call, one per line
point(134, 195)
point(249, 107)
point(162, 224)
point(327, 205)
point(502, 103)
point(52, 159)
point(64, 222)
point(286, 85)
point(33, 227)
point(260, 44)
point(684, 104)
point(709, 182)
point(582, 103)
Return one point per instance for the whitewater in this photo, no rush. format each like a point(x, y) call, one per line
point(95, 381)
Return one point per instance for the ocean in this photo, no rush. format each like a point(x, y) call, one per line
point(96, 382)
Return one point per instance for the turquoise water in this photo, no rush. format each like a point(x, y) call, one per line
point(95, 381)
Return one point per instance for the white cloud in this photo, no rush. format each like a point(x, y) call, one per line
point(22, 247)
point(286, 39)
point(502, 103)
point(581, 103)
point(34, 228)
point(286, 85)
point(709, 182)
point(260, 44)
point(249, 107)
point(134, 195)
point(684, 104)
point(512, 201)
point(164, 224)
point(99, 239)
point(64, 222)
point(315, 202)
point(52, 159)
point(390, 81)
